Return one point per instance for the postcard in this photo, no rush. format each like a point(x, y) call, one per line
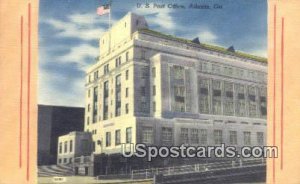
point(156, 91)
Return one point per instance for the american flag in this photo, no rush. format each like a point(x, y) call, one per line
point(102, 10)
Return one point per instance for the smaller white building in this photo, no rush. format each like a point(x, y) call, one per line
point(74, 144)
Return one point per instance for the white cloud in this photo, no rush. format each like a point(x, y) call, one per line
point(51, 95)
point(161, 18)
point(74, 30)
point(78, 54)
point(207, 36)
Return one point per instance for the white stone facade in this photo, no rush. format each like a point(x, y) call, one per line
point(157, 89)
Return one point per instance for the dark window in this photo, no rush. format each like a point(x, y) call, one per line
point(217, 92)
point(60, 147)
point(126, 92)
point(118, 95)
point(66, 147)
point(153, 72)
point(127, 74)
point(128, 135)
point(229, 94)
point(154, 90)
point(71, 145)
point(241, 96)
point(252, 98)
point(95, 105)
point(105, 100)
point(118, 137)
point(108, 139)
point(127, 108)
point(204, 91)
point(127, 56)
point(154, 106)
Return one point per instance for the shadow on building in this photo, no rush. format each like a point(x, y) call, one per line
point(54, 121)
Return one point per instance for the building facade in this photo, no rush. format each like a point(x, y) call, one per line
point(54, 121)
point(152, 88)
point(73, 145)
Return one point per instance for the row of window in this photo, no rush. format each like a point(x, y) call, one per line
point(65, 160)
point(234, 97)
point(106, 68)
point(128, 138)
point(118, 103)
point(105, 113)
point(126, 78)
point(198, 136)
point(60, 150)
point(231, 71)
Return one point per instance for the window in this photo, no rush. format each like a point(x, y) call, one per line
point(228, 105)
point(167, 136)
point(127, 56)
point(59, 160)
point(247, 138)
point(233, 137)
point(118, 137)
point(143, 91)
point(154, 106)
point(153, 72)
point(204, 95)
point(263, 102)
point(143, 106)
point(218, 137)
point(179, 99)
point(96, 75)
point(89, 108)
point(70, 160)
point(252, 101)
point(127, 74)
point(127, 108)
point(217, 108)
point(90, 79)
point(105, 100)
point(106, 69)
point(60, 147)
point(178, 72)
point(95, 105)
point(108, 139)
point(194, 136)
point(88, 120)
point(71, 145)
point(184, 135)
point(118, 61)
point(66, 147)
point(203, 136)
point(154, 90)
point(65, 160)
point(260, 138)
point(241, 103)
point(89, 93)
point(128, 135)
point(147, 135)
point(126, 92)
point(118, 95)
point(144, 71)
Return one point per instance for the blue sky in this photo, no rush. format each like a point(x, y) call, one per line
point(69, 31)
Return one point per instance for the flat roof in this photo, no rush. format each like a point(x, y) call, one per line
point(206, 46)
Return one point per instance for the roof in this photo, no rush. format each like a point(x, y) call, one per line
point(206, 46)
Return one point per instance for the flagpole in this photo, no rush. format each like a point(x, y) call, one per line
point(109, 26)
point(109, 17)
